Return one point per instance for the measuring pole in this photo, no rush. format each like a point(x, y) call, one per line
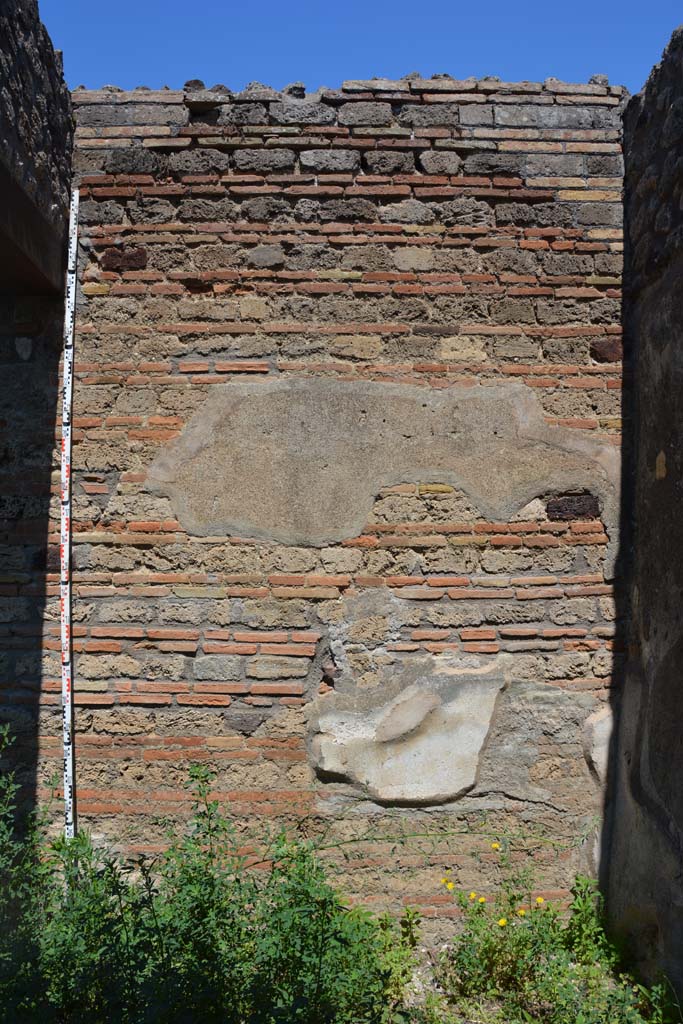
point(65, 526)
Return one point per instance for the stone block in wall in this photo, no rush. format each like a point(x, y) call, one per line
point(304, 112)
point(119, 114)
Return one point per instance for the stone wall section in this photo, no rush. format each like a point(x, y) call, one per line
point(394, 308)
point(36, 134)
point(30, 336)
point(643, 879)
point(35, 110)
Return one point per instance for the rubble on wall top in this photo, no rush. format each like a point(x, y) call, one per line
point(196, 94)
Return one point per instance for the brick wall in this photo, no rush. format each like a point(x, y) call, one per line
point(346, 465)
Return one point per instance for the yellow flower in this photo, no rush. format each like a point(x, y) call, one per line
point(450, 886)
point(473, 895)
point(502, 921)
point(482, 899)
point(540, 900)
point(444, 881)
point(522, 912)
point(495, 846)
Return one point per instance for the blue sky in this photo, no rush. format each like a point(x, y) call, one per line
point(166, 42)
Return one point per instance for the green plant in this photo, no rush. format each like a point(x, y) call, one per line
point(25, 886)
point(585, 932)
point(517, 953)
point(196, 935)
point(202, 934)
point(399, 952)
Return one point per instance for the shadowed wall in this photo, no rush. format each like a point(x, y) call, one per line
point(646, 857)
point(36, 135)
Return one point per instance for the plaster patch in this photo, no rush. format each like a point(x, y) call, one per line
point(597, 739)
point(660, 466)
point(300, 461)
point(420, 747)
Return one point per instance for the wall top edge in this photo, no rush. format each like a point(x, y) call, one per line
point(195, 91)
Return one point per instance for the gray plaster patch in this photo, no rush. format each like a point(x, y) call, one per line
point(420, 746)
point(537, 727)
point(597, 749)
point(300, 461)
point(597, 739)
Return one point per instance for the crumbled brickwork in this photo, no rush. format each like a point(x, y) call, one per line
point(270, 283)
point(644, 878)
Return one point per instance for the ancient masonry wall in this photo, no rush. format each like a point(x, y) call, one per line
point(346, 465)
point(35, 124)
point(36, 133)
point(644, 881)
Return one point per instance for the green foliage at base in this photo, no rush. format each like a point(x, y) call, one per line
point(198, 937)
point(204, 935)
point(518, 961)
